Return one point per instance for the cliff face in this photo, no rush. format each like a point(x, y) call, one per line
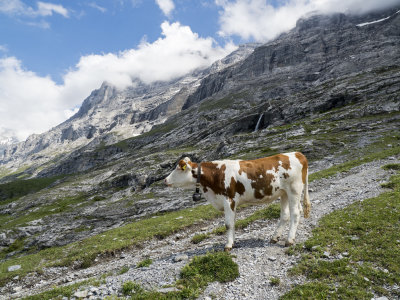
point(109, 115)
point(320, 48)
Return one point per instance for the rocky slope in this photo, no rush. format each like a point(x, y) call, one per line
point(328, 88)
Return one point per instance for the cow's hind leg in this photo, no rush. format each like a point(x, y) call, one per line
point(294, 199)
point(283, 220)
point(230, 214)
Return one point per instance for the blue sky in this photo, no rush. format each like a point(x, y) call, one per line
point(50, 45)
point(53, 53)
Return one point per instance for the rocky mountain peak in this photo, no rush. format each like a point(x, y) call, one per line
point(108, 115)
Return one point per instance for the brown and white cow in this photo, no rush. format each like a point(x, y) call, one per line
point(226, 184)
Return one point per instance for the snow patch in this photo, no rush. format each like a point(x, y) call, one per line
point(376, 21)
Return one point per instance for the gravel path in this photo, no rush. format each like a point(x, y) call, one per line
point(258, 259)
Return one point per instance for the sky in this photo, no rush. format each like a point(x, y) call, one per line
point(53, 53)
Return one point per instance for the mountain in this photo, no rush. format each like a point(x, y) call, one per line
point(109, 115)
point(330, 88)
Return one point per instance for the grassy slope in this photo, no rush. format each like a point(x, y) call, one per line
point(363, 241)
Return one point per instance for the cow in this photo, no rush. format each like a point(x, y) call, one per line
point(226, 184)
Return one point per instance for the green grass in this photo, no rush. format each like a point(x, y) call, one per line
point(58, 206)
point(369, 233)
point(195, 276)
point(123, 270)
point(198, 238)
point(130, 287)
point(64, 291)
point(391, 167)
point(144, 263)
point(354, 163)
point(223, 103)
point(84, 252)
point(274, 281)
point(13, 190)
point(216, 266)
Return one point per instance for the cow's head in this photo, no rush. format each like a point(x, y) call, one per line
point(181, 176)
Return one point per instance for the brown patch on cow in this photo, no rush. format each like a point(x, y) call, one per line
point(181, 164)
point(213, 177)
point(276, 188)
point(286, 175)
point(256, 171)
point(303, 160)
point(235, 187)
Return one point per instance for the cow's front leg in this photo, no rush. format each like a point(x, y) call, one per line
point(230, 214)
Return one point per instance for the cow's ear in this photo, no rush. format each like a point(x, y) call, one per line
point(183, 165)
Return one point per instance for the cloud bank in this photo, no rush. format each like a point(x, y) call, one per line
point(39, 103)
point(261, 21)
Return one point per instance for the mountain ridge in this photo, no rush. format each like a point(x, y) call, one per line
point(115, 114)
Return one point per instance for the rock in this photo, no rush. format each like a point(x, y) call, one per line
point(179, 236)
point(272, 258)
point(326, 254)
point(181, 257)
point(14, 268)
point(81, 294)
point(17, 289)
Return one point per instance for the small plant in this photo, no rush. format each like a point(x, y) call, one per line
point(395, 167)
point(217, 266)
point(274, 281)
point(129, 288)
point(98, 198)
point(199, 238)
point(144, 263)
point(123, 270)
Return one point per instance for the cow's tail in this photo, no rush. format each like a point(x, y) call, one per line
point(306, 197)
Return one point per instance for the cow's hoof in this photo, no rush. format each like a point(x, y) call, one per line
point(289, 243)
point(227, 249)
point(274, 240)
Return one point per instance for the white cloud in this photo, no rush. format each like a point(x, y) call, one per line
point(3, 48)
point(98, 7)
point(258, 20)
point(47, 9)
point(167, 6)
point(32, 104)
point(44, 9)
